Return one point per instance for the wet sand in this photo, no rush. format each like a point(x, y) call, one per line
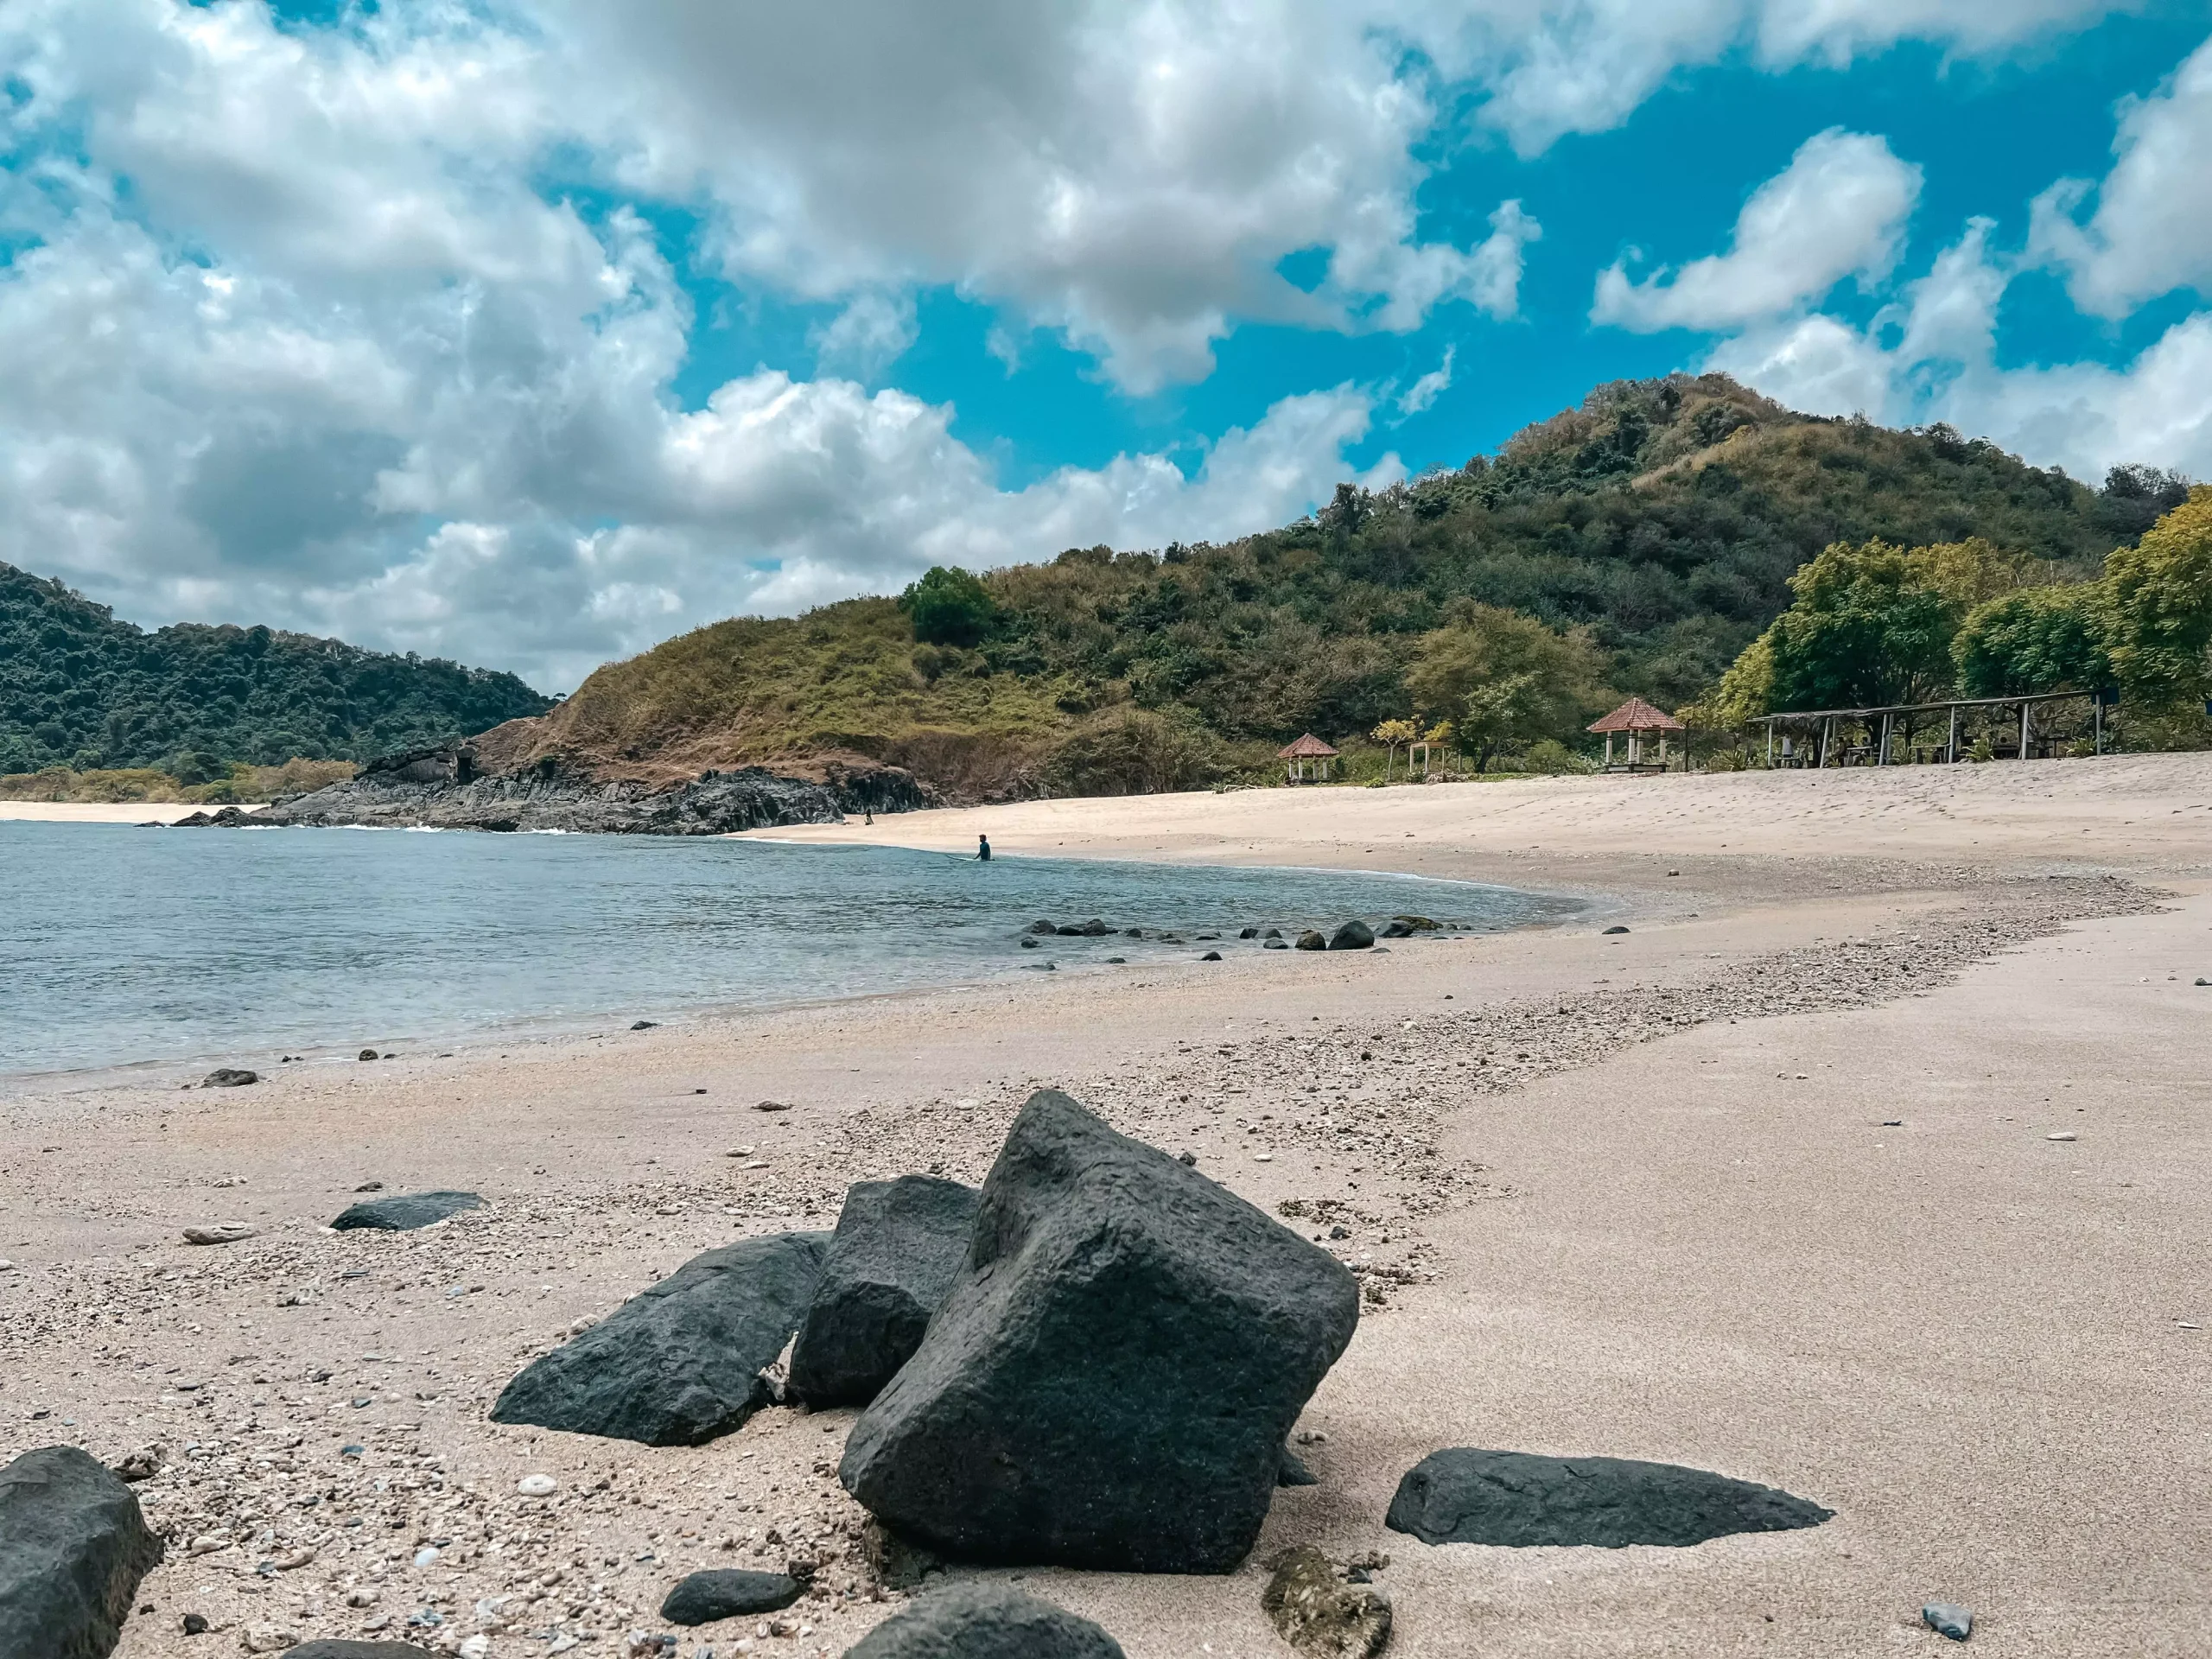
point(1763, 1186)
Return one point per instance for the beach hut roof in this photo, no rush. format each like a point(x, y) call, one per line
point(1308, 748)
point(1637, 715)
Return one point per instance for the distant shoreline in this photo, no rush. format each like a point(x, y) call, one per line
point(105, 811)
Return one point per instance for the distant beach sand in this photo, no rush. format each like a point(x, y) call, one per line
point(100, 811)
point(1871, 1163)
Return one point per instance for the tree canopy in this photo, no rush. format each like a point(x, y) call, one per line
point(80, 688)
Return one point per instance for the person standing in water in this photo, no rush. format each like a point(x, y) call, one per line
point(983, 850)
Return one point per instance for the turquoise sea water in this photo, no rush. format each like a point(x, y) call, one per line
point(121, 944)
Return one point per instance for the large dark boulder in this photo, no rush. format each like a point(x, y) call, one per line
point(73, 1549)
point(984, 1621)
point(1110, 1381)
point(403, 1213)
point(679, 1363)
point(1352, 935)
point(898, 1247)
point(728, 1592)
point(1464, 1495)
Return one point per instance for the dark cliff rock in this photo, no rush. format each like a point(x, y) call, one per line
point(444, 789)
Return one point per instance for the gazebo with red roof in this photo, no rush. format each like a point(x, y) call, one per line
point(1636, 717)
point(1295, 755)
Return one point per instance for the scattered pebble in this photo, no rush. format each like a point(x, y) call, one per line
point(223, 1233)
point(538, 1486)
point(1947, 1618)
point(2062, 1135)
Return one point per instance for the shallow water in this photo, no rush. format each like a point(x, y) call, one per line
point(120, 945)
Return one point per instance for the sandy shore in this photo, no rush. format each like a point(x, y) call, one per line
point(100, 811)
point(1764, 1186)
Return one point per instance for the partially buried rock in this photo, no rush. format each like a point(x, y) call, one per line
point(367, 1054)
point(898, 1247)
point(1111, 1382)
point(1352, 935)
point(728, 1592)
point(1211, 956)
point(679, 1363)
point(1311, 940)
point(1465, 1495)
point(228, 1077)
point(1947, 1618)
point(1273, 945)
point(772, 1106)
point(73, 1545)
point(1294, 1472)
point(982, 1621)
point(403, 1213)
point(228, 1232)
point(330, 1649)
point(1320, 1614)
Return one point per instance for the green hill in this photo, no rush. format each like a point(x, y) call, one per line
point(78, 689)
point(1655, 528)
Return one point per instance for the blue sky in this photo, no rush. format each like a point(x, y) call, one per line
point(530, 332)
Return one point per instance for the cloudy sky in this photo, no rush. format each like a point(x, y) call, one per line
point(530, 332)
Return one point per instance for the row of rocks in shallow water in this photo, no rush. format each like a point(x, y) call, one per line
point(440, 789)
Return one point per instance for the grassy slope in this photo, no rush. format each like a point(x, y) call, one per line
point(1665, 517)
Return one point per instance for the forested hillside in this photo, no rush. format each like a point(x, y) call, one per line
point(78, 689)
point(1652, 532)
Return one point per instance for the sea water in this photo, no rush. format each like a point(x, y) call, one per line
point(121, 944)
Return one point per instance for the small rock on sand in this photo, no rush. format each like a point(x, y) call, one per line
point(1321, 1615)
point(227, 1077)
point(538, 1486)
point(1465, 1495)
point(1947, 1618)
point(368, 1054)
point(728, 1592)
point(773, 1106)
point(228, 1232)
point(981, 1621)
point(2062, 1135)
point(1617, 930)
point(404, 1212)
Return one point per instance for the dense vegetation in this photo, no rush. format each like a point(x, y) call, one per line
point(81, 690)
point(1636, 544)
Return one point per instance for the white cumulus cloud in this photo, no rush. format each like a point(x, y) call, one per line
point(1838, 210)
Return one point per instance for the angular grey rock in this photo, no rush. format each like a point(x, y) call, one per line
point(1947, 1618)
point(229, 1076)
point(1311, 940)
point(342, 1649)
point(984, 1621)
point(898, 1247)
point(679, 1363)
point(404, 1211)
point(1352, 935)
point(1465, 1495)
point(73, 1547)
point(1111, 1380)
point(728, 1592)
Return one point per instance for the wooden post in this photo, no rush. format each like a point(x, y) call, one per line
point(1827, 732)
point(1951, 749)
point(1882, 744)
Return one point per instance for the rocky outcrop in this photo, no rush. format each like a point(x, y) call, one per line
point(1464, 1495)
point(898, 1247)
point(679, 1363)
point(73, 1549)
point(445, 789)
point(984, 1621)
point(1111, 1379)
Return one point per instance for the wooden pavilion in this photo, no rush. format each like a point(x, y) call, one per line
point(1636, 719)
point(1295, 755)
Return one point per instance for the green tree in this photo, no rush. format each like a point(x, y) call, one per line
point(948, 607)
point(2036, 639)
point(1869, 626)
point(1510, 680)
point(1393, 734)
point(2154, 608)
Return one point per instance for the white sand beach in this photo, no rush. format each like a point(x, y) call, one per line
point(1767, 1185)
